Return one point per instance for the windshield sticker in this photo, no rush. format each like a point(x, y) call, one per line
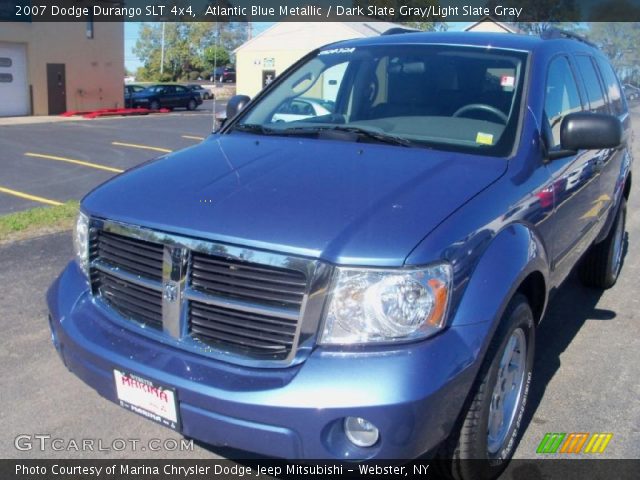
point(507, 81)
point(337, 50)
point(484, 138)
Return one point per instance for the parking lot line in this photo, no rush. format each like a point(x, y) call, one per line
point(76, 162)
point(192, 137)
point(29, 197)
point(144, 147)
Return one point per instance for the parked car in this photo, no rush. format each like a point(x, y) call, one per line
point(166, 96)
point(301, 108)
point(365, 284)
point(205, 93)
point(129, 90)
point(631, 92)
point(224, 74)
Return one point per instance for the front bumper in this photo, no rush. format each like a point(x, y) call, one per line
point(413, 393)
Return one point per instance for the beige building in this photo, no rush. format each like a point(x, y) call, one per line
point(261, 59)
point(490, 24)
point(48, 68)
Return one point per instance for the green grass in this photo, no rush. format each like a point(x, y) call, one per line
point(37, 221)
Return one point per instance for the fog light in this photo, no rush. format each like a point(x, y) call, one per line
point(361, 432)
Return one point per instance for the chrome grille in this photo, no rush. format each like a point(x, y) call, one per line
point(247, 281)
point(280, 289)
point(135, 302)
point(219, 300)
point(133, 255)
point(252, 333)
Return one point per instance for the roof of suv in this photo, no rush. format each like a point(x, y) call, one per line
point(497, 40)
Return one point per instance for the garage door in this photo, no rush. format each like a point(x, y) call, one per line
point(14, 90)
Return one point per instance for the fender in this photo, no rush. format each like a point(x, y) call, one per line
point(618, 193)
point(514, 253)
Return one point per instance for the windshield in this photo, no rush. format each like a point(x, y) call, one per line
point(437, 96)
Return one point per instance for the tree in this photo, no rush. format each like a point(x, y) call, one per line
point(187, 47)
point(216, 56)
point(540, 15)
point(619, 41)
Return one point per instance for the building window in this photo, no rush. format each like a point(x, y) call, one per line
point(5, 62)
point(6, 78)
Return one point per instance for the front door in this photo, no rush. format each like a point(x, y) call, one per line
point(56, 88)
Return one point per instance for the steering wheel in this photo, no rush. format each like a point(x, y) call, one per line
point(483, 107)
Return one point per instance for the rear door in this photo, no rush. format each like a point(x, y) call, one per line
point(613, 158)
point(575, 184)
point(183, 95)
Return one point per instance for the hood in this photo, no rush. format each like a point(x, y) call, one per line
point(344, 202)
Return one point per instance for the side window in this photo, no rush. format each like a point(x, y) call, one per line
point(313, 95)
point(561, 97)
point(595, 95)
point(181, 90)
point(612, 86)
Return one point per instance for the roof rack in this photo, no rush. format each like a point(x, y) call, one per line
point(398, 30)
point(555, 33)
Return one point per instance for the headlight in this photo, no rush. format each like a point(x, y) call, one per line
point(81, 242)
point(372, 305)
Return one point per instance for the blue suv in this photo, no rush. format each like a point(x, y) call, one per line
point(363, 282)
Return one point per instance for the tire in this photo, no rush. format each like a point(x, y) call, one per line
point(154, 105)
point(602, 263)
point(192, 105)
point(478, 450)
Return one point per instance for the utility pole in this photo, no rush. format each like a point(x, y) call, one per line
point(162, 52)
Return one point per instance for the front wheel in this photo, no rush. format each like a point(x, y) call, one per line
point(192, 105)
point(601, 265)
point(490, 427)
point(154, 105)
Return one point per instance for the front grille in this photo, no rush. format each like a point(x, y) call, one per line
point(133, 255)
point(238, 301)
point(280, 290)
point(248, 281)
point(135, 302)
point(253, 334)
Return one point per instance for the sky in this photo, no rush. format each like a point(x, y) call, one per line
point(132, 62)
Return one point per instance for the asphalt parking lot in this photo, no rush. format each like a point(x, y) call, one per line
point(56, 162)
point(586, 377)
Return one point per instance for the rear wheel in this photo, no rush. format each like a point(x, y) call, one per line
point(154, 105)
point(490, 427)
point(601, 265)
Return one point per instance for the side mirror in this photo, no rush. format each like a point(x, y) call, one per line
point(235, 104)
point(590, 131)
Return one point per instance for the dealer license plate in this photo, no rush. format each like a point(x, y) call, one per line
point(147, 398)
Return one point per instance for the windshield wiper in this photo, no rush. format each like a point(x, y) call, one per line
point(378, 136)
point(252, 128)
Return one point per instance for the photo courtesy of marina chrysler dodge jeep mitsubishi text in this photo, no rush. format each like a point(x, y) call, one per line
point(363, 283)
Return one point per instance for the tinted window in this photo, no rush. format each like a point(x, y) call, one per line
point(180, 89)
point(592, 84)
point(561, 97)
point(612, 87)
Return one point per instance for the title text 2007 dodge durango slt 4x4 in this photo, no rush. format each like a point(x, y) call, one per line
point(366, 282)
